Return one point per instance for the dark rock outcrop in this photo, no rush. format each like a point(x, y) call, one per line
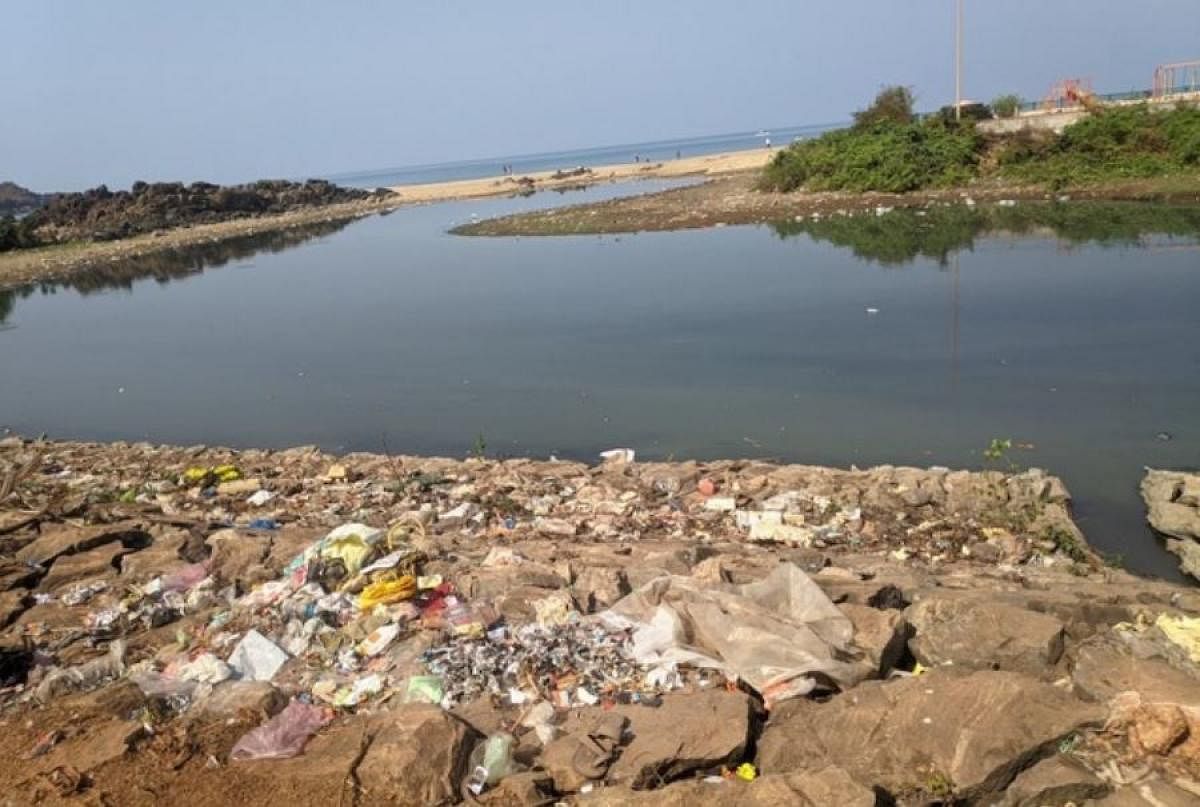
point(100, 214)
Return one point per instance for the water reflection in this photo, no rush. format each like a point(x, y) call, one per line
point(902, 236)
point(174, 264)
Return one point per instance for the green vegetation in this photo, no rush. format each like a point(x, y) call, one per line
point(888, 150)
point(889, 157)
point(1118, 143)
point(997, 449)
point(892, 104)
point(17, 234)
point(1066, 543)
point(1006, 106)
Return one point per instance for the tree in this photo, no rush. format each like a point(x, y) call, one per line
point(893, 104)
point(1006, 106)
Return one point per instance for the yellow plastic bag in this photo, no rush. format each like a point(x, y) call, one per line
point(385, 592)
point(746, 772)
point(352, 550)
point(222, 473)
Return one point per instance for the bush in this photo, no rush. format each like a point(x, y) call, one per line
point(1113, 143)
point(887, 157)
point(1006, 106)
point(892, 104)
point(17, 234)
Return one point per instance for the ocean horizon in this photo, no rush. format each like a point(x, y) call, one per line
point(650, 151)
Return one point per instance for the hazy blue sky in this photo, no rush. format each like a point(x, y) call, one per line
point(231, 90)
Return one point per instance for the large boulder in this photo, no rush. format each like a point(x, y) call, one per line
point(237, 558)
point(935, 734)
point(418, 756)
point(881, 634)
point(978, 634)
point(687, 733)
point(1173, 509)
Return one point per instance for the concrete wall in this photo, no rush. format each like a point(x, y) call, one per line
point(1057, 120)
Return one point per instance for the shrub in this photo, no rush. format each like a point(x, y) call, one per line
point(892, 104)
point(887, 157)
point(1006, 106)
point(17, 234)
point(1113, 143)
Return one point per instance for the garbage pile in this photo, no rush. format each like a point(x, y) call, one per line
point(626, 625)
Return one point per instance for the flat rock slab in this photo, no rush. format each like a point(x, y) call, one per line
point(977, 634)
point(968, 733)
point(67, 540)
point(1104, 666)
point(1054, 781)
point(831, 787)
point(67, 571)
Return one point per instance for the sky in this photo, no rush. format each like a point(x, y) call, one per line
point(230, 91)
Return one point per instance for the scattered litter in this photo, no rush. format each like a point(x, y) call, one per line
point(284, 735)
point(257, 658)
point(618, 455)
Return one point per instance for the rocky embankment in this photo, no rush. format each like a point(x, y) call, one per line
point(264, 627)
point(1173, 504)
point(103, 215)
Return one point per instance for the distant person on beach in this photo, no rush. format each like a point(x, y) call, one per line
point(767, 144)
point(677, 154)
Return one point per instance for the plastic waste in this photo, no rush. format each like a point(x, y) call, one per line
point(203, 669)
point(554, 609)
point(491, 761)
point(82, 676)
point(83, 592)
point(776, 634)
point(540, 718)
point(263, 524)
point(618, 455)
point(256, 658)
point(746, 772)
point(361, 688)
point(185, 578)
point(378, 640)
point(284, 735)
point(260, 497)
point(424, 689)
point(384, 592)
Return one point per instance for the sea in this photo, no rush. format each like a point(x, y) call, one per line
point(651, 151)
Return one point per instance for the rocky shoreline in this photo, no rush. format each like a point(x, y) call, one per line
point(256, 626)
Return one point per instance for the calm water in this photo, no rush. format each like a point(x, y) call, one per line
point(654, 151)
point(1073, 334)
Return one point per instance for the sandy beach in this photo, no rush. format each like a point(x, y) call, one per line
point(703, 165)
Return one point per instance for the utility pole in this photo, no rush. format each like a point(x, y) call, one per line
point(958, 63)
